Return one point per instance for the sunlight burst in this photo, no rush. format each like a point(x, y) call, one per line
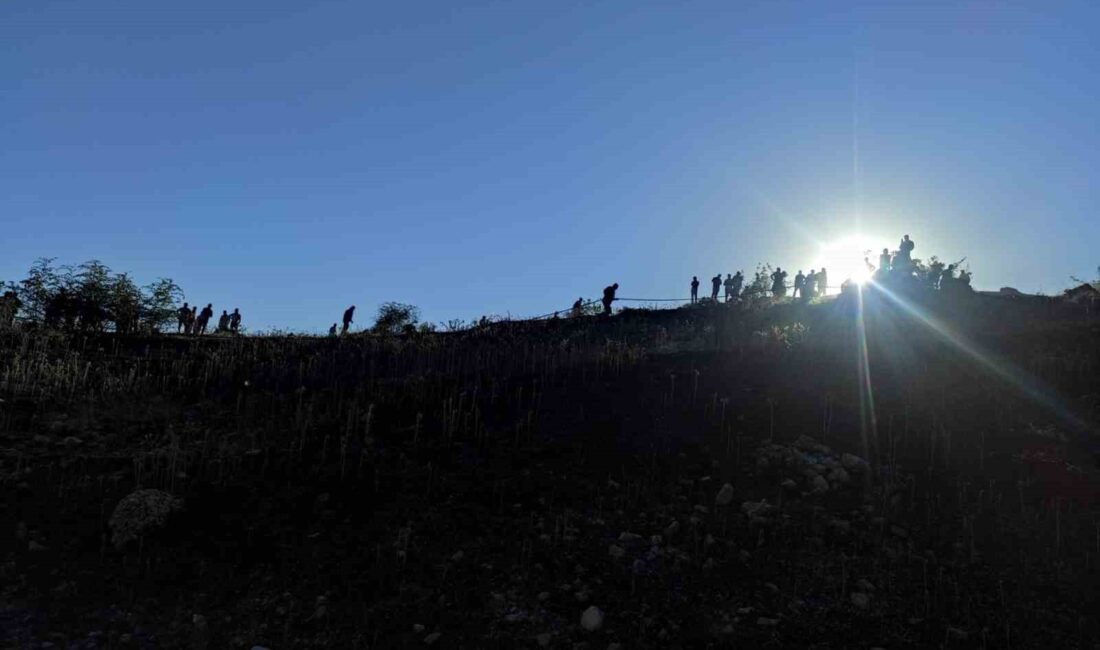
point(847, 258)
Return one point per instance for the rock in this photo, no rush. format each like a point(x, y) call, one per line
point(839, 476)
point(767, 622)
point(789, 484)
point(755, 508)
point(140, 513)
point(71, 441)
point(672, 529)
point(860, 599)
point(851, 462)
point(629, 538)
point(725, 495)
point(41, 440)
point(819, 484)
point(805, 443)
point(457, 557)
point(958, 634)
point(544, 596)
point(592, 619)
point(702, 509)
point(432, 638)
point(898, 531)
point(543, 640)
point(35, 546)
point(616, 551)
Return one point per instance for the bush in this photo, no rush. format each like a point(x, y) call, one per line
point(395, 318)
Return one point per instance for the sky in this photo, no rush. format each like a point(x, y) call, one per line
point(293, 158)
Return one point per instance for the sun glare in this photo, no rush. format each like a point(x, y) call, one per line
point(847, 258)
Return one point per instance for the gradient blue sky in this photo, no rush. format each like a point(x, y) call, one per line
point(292, 158)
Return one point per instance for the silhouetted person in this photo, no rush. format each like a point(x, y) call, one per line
point(884, 261)
point(332, 330)
point(904, 259)
point(578, 308)
point(715, 285)
point(182, 315)
point(204, 318)
point(935, 271)
point(349, 315)
point(822, 282)
point(779, 282)
point(808, 289)
point(799, 282)
point(738, 280)
point(9, 307)
point(694, 289)
point(223, 321)
point(947, 278)
point(608, 298)
point(963, 281)
point(235, 320)
point(192, 320)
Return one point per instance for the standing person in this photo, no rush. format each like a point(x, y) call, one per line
point(715, 284)
point(235, 320)
point(904, 259)
point(808, 287)
point(884, 262)
point(204, 318)
point(608, 298)
point(738, 280)
point(779, 283)
point(578, 308)
point(9, 307)
point(223, 321)
point(349, 315)
point(189, 327)
point(182, 315)
point(822, 282)
point(799, 282)
point(332, 330)
point(728, 286)
point(694, 289)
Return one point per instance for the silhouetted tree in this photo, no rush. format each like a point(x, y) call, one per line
point(158, 303)
point(394, 317)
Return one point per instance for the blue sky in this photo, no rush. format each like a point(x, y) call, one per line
point(292, 158)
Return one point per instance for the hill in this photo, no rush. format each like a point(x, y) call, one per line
point(879, 470)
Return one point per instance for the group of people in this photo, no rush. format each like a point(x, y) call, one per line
point(899, 266)
point(805, 285)
point(189, 320)
point(732, 285)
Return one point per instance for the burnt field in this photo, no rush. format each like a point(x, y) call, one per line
point(923, 475)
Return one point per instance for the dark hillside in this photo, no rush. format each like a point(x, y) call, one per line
point(894, 471)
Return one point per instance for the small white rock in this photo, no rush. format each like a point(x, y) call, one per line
point(592, 619)
point(432, 638)
point(860, 599)
point(725, 495)
point(819, 484)
point(616, 551)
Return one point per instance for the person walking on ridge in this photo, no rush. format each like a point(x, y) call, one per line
point(204, 318)
point(727, 284)
point(332, 330)
point(235, 321)
point(799, 282)
point(738, 281)
point(808, 286)
point(884, 262)
point(223, 321)
point(715, 285)
point(694, 289)
point(349, 315)
point(608, 298)
point(578, 308)
point(822, 282)
point(182, 315)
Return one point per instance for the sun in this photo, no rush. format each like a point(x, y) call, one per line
point(847, 258)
